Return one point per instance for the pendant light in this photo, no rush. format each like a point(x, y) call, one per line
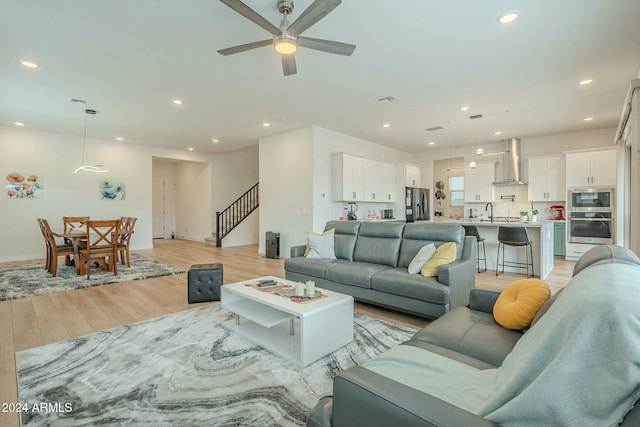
point(97, 168)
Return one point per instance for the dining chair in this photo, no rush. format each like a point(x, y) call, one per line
point(101, 246)
point(73, 223)
point(53, 249)
point(127, 225)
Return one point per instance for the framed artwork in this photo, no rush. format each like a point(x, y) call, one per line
point(112, 189)
point(24, 186)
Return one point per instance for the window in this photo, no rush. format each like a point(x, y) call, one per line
point(456, 186)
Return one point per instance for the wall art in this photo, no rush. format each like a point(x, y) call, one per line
point(112, 189)
point(24, 186)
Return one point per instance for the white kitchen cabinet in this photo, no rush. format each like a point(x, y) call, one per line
point(356, 179)
point(478, 183)
point(547, 179)
point(591, 168)
point(412, 175)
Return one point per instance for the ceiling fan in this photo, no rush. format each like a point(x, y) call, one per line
point(286, 38)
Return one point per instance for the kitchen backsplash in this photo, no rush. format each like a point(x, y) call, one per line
point(509, 201)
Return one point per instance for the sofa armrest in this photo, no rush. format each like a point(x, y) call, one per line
point(460, 275)
point(298, 251)
point(481, 299)
point(364, 398)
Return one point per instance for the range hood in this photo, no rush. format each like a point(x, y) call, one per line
point(512, 163)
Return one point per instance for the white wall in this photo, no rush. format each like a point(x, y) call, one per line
point(232, 174)
point(167, 171)
point(295, 181)
point(286, 187)
point(54, 157)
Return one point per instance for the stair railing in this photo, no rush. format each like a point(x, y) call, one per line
point(235, 213)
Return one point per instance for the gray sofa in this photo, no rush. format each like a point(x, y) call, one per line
point(565, 385)
point(372, 260)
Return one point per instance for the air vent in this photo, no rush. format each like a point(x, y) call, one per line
point(434, 128)
point(387, 99)
point(477, 116)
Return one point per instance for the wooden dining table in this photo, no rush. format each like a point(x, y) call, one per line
point(76, 236)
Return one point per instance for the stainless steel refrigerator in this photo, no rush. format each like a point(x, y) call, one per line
point(416, 204)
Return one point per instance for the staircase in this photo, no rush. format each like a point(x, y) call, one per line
point(235, 213)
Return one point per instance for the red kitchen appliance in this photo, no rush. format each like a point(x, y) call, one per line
point(556, 212)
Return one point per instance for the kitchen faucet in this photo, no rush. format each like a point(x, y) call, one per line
point(485, 208)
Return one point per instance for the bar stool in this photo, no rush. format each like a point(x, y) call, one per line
point(472, 230)
point(515, 236)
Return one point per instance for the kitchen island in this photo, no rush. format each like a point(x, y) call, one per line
point(540, 233)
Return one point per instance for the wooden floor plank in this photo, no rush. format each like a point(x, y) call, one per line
point(34, 321)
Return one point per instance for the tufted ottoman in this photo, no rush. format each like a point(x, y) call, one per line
point(203, 282)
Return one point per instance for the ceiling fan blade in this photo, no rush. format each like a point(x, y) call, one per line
point(315, 12)
point(252, 15)
point(329, 46)
point(245, 47)
point(289, 65)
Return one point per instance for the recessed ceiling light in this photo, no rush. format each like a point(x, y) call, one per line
point(497, 132)
point(585, 82)
point(215, 140)
point(177, 101)
point(119, 138)
point(386, 125)
point(18, 123)
point(266, 124)
point(190, 148)
point(29, 64)
point(464, 108)
point(588, 119)
point(431, 143)
point(508, 17)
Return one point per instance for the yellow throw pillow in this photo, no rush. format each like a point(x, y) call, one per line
point(445, 254)
point(311, 233)
point(518, 304)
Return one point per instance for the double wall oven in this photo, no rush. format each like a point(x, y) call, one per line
point(591, 215)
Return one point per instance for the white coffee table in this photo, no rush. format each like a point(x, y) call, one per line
point(301, 333)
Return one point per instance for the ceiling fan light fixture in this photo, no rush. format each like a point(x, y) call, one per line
point(285, 45)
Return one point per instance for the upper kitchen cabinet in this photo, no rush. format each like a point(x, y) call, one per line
point(356, 179)
point(547, 179)
point(591, 168)
point(412, 175)
point(478, 183)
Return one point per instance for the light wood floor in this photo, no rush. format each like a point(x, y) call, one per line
point(35, 321)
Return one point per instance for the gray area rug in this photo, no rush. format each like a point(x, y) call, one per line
point(183, 369)
point(30, 280)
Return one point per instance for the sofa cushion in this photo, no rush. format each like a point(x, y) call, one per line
point(518, 304)
point(397, 281)
point(473, 333)
point(445, 254)
point(416, 235)
point(354, 273)
point(379, 243)
point(309, 266)
point(345, 236)
point(422, 257)
point(311, 233)
point(321, 246)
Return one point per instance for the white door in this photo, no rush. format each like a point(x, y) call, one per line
point(157, 195)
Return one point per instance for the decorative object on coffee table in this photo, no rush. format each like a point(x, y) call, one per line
point(204, 281)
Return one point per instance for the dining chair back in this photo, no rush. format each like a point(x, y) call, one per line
point(127, 225)
point(73, 223)
point(101, 246)
point(53, 249)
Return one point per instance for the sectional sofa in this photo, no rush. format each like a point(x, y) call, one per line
point(371, 265)
point(578, 364)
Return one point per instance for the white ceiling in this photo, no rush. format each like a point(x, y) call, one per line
point(129, 59)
